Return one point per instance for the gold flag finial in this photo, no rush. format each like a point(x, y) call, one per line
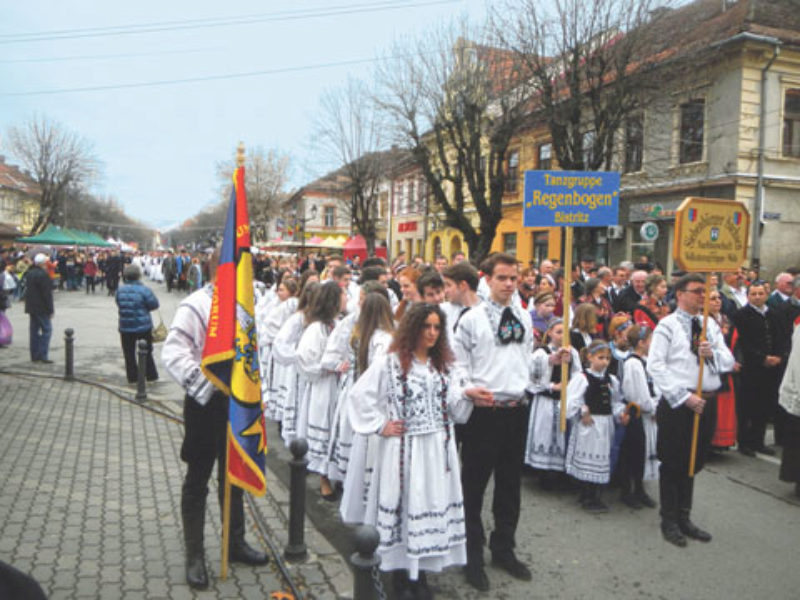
point(240, 154)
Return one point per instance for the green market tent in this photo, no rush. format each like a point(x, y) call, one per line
point(56, 236)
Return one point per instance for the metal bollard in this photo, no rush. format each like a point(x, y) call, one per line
point(141, 385)
point(365, 562)
point(69, 354)
point(296, 548)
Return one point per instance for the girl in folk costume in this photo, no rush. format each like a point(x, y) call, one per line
point(277, 316)
point(289, 385)
point(593, 401)
point(637, 458)
point(618, 342)
point(340, 356)
point(411, 397)
point(546, 444)
point(542, 315)
point(725, 431)
point(370, 341)
point(584, 326)
point(319, 397)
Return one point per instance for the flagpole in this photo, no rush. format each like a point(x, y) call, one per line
point(226, 502)
point(226, 512)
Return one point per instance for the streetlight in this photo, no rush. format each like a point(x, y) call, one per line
point(302, 221)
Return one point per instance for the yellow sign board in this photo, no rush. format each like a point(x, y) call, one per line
point(711, 235)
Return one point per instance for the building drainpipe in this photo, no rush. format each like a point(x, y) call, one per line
point(389, 256)
point(759, 200)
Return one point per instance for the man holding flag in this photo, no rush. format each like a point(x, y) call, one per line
point(211, 351)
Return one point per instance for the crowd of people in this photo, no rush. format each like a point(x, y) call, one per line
point(416, 383)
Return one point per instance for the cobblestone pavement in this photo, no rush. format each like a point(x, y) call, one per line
point(91, 494)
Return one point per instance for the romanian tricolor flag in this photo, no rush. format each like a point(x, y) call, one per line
point(230, 355)
point(692, 215)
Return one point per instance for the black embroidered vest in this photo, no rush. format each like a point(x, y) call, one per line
point(598, 395)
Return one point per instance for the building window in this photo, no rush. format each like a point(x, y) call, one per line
point(545, 157)
point(330, 216)
point(541, 246)
point(791, 123)
point(640, 247)
point(437, 246)
point(512, 172)
point(634, 144)
point(412, 197)
point(510, 243)
point(691, 131)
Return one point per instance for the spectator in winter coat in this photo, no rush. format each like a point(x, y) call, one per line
point(135, 301)
point(39, 306)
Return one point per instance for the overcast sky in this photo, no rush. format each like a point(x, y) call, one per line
point(159, 143)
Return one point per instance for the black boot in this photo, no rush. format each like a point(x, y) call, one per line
point(685, 524)
point(668, 490)
point(193, 512)
point(238, 549)
point(642, 496)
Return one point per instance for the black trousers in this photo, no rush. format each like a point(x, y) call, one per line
point(675, 426)
point(129, 352)
point(204, 444)
point(756, 403)
point(493, 441)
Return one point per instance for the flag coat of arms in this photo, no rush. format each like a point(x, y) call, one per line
point(230, 355)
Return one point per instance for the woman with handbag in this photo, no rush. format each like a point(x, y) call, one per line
point(135, 301)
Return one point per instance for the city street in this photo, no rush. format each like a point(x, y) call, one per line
point(91, 485)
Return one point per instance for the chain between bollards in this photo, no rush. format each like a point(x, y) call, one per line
point(141, 384)
point(69, 354)
point(296, 548)
point(365, 564)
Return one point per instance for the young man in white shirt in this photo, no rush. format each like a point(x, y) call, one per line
point(494, 346)
point(674, 364)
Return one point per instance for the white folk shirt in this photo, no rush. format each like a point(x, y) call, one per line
point(183, 348)
point(507, 369)
point(673, 366)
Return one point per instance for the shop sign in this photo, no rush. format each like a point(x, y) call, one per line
point(649, 232)
point(407, 226)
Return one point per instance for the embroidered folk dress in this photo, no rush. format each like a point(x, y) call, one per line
point(361, 457)
point(319, 396)
point(337, 351)
point(288, 383)
point(589, 449)
point(269, 391)
point(414, 499)
point(547, 445)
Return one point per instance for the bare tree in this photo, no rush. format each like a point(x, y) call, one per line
point(60, 161)
point(457, 105)
point(350, 133)
point(592, 62)
point(266, 177)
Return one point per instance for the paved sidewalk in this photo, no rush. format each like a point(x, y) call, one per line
point(90, 502)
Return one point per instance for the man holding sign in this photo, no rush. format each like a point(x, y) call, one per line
point(674, 365)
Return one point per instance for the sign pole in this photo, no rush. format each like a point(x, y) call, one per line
point(699, 390)
point(566, 299)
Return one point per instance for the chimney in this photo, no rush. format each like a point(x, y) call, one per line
point(2, 159)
